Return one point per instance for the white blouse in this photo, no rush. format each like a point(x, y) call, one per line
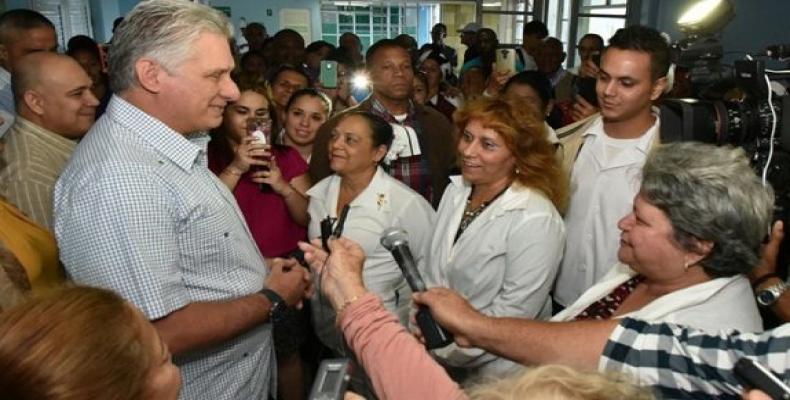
point(385, 203)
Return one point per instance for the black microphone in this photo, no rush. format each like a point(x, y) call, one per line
point(395, 240)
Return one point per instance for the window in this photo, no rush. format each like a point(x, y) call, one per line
point(507, 18)
point(370, 22)
point(70, 17)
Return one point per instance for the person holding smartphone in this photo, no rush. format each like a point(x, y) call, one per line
point(575, 93)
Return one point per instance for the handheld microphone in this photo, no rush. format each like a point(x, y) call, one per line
point(395, 240)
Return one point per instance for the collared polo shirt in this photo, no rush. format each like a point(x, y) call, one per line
point(137, 211)
point(35, 158)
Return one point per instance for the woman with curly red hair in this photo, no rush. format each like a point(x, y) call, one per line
point(499, 236)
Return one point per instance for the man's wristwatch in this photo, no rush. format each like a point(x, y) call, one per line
point(277, 311)
point(769, 295)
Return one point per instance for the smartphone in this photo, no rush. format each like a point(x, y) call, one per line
point(756, 376)
point(331, 380)
point(505, 60)
point(328, 75)
point(585, 87)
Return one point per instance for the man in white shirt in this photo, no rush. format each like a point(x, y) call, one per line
point(22, 32)
point(604, 155)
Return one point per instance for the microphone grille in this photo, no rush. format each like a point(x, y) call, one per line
point(392, 237)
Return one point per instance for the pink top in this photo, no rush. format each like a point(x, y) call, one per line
point(398, 365)
point(272, 227)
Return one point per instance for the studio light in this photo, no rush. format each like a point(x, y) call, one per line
point(706, 17)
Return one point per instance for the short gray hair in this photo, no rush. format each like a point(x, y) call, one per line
point(711, 193)
point(162, 30)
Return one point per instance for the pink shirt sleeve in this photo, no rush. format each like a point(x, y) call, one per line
point(409, 372)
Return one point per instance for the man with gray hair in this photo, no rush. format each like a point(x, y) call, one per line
point(138, 211)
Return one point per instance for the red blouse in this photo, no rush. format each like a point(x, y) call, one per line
point(270, 223)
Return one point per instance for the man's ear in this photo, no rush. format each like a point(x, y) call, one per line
point(658, 88)
point(34, 101)
point(149, 74)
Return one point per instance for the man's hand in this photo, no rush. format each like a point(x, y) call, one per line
point(582, 109)
point(770, 252)
point(288, 279)
point(452, 312)
point(340, 274)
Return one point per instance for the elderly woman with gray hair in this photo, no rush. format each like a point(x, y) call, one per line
point(694, 232)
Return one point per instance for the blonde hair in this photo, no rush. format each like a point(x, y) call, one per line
point(523, 130)
point(558, 382)
point(74, 343)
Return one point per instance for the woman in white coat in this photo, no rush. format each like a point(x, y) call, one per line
point(499, 236)
point(376, 202)
point(694, 233)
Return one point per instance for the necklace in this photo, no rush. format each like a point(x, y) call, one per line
point(470, 215)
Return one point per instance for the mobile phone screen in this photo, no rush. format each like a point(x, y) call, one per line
point(328, 75)
point(506, 60)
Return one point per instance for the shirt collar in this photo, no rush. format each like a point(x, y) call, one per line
point(181, 150)
point(44, 135)
point(596, 129)
point(375, 195)
point(515, 197)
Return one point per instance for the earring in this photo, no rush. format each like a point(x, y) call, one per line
point(518, 171)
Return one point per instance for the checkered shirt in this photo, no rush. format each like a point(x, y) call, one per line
point(137, 211)
point(685, 363)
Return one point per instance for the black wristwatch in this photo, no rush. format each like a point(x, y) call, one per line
point(277, 311)
point(768, 296)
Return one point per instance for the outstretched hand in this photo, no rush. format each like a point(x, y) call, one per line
point(452, 312)
point(340, 271)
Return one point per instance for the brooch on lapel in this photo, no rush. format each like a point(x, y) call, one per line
point(382, 200)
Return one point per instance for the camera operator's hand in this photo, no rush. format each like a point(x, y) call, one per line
point(341, 272)
point(290, 281)
point(452, 312)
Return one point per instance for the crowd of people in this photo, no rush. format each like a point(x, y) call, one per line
point(185, 216)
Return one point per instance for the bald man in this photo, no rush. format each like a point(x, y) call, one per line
point(55, 108)
point(22, 32)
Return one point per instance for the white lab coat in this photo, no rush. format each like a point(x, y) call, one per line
point(504, 263)
point(721, 303)
point(385, 203)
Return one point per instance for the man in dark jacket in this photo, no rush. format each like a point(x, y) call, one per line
point(423, 152)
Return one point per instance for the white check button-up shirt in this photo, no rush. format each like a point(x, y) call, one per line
point(138, 212)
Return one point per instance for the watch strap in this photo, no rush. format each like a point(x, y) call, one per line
point(278, 304)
